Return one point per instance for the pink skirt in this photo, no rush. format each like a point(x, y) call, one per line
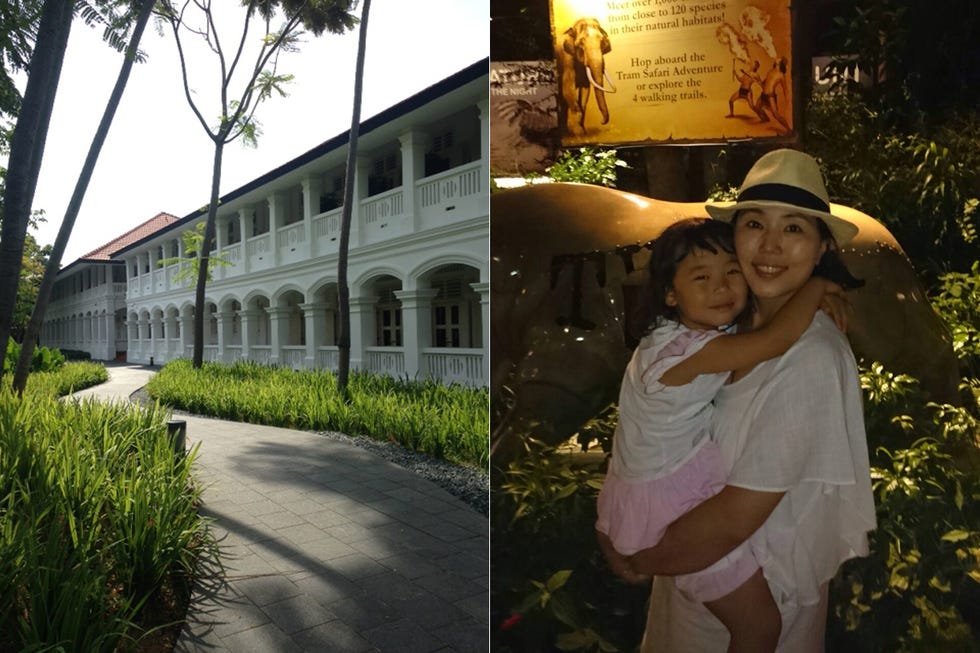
point(635, 515)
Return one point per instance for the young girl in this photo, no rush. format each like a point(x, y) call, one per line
point(663, 461)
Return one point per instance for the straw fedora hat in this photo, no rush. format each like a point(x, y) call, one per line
point(788, 179)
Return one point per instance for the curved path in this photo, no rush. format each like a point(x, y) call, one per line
point(326, 547)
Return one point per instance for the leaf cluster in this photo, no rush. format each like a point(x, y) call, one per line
point(587, 165)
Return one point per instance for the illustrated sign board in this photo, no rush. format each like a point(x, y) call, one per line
point(524, 123)
point(673, 71)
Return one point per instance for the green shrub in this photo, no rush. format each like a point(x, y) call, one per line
point(587, 165)
point(557, 594)
point(96, 516)
point(42, 360)
point(449, 422)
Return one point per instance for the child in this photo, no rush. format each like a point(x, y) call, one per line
point(663, 460)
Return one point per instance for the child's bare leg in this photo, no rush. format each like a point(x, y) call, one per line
point(750, 615)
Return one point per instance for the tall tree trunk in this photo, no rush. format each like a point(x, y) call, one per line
point(26, 150)
point(205, 252)
point(75, 205)
point(343, 289)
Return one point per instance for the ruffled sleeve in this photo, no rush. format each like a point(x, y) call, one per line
point(679, 343)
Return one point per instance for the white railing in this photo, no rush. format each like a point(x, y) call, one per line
point(463, 366)
point(212, 353)
point(291, 236)
point(327, 358)
point(293, 356)
point(377, 209)
point(261, 354)
point(233, 353)
point(257, 245)
point(450, 186)
point(385, 360)
point(327, 225)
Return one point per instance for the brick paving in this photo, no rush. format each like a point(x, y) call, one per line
point(326, 546)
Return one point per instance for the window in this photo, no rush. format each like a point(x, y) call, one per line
point(446, 325)
point(385, 174)
point(388, 316)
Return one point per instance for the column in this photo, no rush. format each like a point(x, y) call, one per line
point(416, 327)
point(243, 228)
point(362, 170)
point(483, 289)
point(186, 332)
point(483, 107)
point(362, 333)
point(311, 207)
point(277, 205)
point(170, 332)
point(225, 319)
point(278, 330)
point(316, 331)
point(156, 337)
point(248, 318)
point(413, 169)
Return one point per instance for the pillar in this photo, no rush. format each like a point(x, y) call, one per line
point(316, 330)
point(416, 327)
point(483, 289)
point(361, 329)
point(278, 330)
point(413, 169)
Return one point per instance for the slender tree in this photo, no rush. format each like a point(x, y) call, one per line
point(237, 116)
point(144, 9)
point(343, 287)
point(27, 147)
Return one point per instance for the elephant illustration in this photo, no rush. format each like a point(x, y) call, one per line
point(579, 55)
point(568, 261)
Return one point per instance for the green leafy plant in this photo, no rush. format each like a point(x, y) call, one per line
point(448, 422)
point(97, 516)
point(558, 593)
point(587, 165)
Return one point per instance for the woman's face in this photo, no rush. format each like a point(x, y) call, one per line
point(777, 249)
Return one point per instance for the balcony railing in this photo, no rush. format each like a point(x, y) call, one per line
point(385, 360)
point(464, 366)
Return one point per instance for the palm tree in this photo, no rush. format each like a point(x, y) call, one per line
point(343, 289)
point(145, 8)
point(27, 148)
point(237, 115)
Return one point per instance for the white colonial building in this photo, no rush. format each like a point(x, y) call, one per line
point(418, 265)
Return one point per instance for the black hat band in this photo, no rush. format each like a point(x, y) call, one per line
point(784, 193)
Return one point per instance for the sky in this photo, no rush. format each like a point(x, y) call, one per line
point(158, 158)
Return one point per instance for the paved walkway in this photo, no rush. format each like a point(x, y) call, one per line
point(326, 547)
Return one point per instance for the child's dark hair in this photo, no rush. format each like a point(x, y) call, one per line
point(668, 250)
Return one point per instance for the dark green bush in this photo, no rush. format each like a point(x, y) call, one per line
point(43, 359)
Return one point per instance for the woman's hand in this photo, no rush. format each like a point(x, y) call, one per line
point(618, 563)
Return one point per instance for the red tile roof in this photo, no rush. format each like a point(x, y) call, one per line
point(135, 234)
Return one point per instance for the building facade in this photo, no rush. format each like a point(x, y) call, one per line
point(418, 267)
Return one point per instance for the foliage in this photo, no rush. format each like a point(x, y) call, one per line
point(96, 515)
point(42, 360)
point(918, 590)
point(558, 594)
point(923, 184)
point(193, 240)
point(35, 258)
point(448, 422)
point(958, 301)
point(587, 165)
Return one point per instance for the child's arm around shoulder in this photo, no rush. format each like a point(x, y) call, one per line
point(741, 350)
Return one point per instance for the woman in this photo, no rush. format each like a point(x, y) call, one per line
point(791, 432)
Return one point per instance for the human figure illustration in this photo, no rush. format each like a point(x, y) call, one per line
point(768, 99)
point(745, 79)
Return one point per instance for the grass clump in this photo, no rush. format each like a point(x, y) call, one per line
point(98, 518)
point(448, 422)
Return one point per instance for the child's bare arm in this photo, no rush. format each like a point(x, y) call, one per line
point(732, 352)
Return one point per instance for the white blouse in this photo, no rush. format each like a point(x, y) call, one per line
point(793, 424)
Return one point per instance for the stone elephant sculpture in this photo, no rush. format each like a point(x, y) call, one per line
point(567, 261)
point(580, 59)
